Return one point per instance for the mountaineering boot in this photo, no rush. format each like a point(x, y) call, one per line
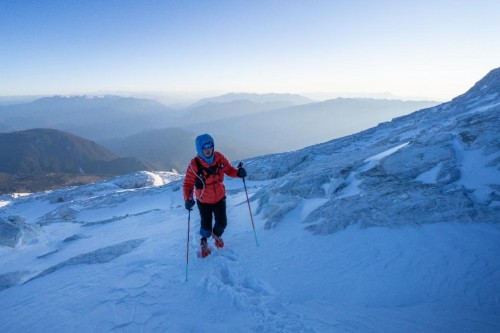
point(205, 249)
point(219, 243)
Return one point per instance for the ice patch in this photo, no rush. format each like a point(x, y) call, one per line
point(310, 205)
point(374, 160)
point(386, 153)
point(352, 186)
point(430, 176)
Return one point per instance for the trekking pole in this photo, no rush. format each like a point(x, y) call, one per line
point(240, 165)
point(187, 246)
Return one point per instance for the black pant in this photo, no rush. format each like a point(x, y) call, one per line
point(218, 210)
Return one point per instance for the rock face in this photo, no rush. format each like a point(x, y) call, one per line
point(436, 165)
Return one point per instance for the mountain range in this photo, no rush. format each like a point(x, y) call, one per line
point(40, 159)
point(291, 128)
point(92, 117)
point(244, 125)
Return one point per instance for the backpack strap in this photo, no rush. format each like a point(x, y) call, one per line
point(199, 167)
point(205, 172)
point(200, 177)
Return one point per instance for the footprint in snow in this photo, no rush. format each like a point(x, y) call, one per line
point(227, 276)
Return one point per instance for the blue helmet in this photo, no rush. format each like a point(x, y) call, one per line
point(201, 141)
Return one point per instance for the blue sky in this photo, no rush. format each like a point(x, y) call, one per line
point(428, 49)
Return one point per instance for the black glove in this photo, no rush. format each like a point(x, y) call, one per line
point(242, 173)
point(189, 204)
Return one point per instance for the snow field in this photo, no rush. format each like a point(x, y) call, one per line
point(127, 273)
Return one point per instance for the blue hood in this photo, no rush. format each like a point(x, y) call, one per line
point(199, 142)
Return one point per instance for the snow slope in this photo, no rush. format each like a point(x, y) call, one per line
point(394, 229)
point(436, 165)
point(109, 259)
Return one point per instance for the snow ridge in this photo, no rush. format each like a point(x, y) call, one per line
point(372, 178)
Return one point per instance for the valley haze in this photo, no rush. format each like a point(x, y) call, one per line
point(244, 125)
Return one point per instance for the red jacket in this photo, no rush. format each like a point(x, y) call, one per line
point(212, 188)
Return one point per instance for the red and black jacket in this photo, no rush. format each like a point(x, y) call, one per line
point(207, 181)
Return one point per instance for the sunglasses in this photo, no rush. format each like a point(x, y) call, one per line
point(208, 145)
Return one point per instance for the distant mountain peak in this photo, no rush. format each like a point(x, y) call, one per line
point(95, 117)
point(294, 99)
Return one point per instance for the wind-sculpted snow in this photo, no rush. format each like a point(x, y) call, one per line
point(100, 256)
point(60, 214)
point(118, 218)
point(146, 179)
point(18, 226)
point(10, 234)
point(372, 178)
point(14, 230)
point(228, 277)
point(8, 280)
point(274, 166)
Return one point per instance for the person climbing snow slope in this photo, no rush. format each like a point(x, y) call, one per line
point(205, 181)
